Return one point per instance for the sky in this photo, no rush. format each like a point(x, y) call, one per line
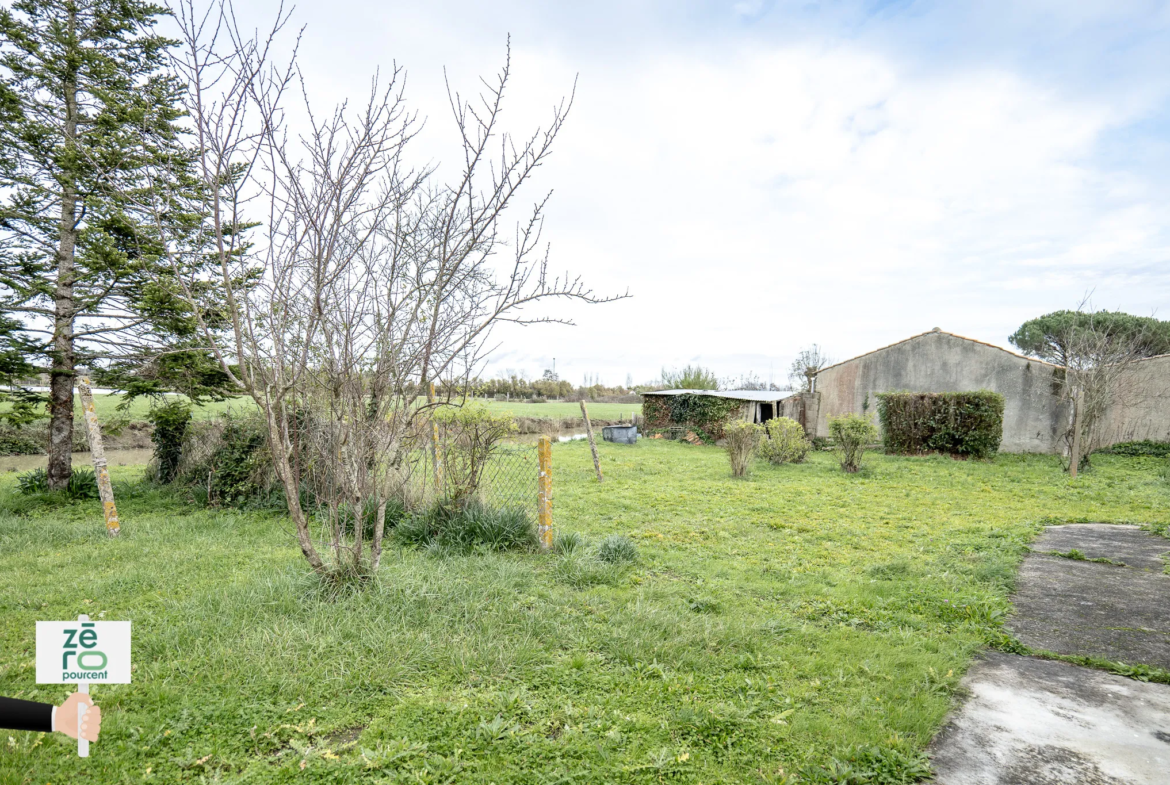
point(764, 175)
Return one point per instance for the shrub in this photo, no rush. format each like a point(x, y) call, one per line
point(617, 549)
point(22, 439)
point(1145, 448)
point(170, 421)
point(705, 413)
point(471, 434)
point(956, 423)
point(785, 442)
point(228, 460)
point(31, 438)
point(742, 439)
point(852, 433)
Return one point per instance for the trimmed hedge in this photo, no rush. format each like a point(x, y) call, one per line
point(956, 423)
point(703, 412)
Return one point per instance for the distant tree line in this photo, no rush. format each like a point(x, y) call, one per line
point(516, 387)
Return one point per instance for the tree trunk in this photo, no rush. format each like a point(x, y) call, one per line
point(1074, 462)
point(61, 370)
point(280, 447)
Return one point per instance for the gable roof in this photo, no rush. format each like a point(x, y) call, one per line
point(939, 332)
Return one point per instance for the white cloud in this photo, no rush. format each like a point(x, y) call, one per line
point(757, 197)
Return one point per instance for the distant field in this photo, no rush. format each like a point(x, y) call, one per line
point(556, 409)
point(107, 407)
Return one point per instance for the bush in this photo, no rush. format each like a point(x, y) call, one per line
point(1145, 448)
point(170, 421)
point(32, 438)
point(742, 439)
point(22, 439)
point(82, 484)
point(955, 423)
point(228, 461)
point(462, 527)
point(852, 433)
point(785, 442)
point(617, 549)
point(471, 434)
point(705, 413)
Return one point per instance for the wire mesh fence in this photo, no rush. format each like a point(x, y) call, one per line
point(510, 476)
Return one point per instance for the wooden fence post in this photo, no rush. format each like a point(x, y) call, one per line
point(544, 495)
point(1075, 459)
point(436, 450)
point(592, 441)
point(98, 454)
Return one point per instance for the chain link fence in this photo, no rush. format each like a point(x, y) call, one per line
point(510, 477)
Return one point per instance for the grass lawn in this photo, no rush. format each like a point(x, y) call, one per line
point(773, 624)
point(106, 406)
point(558, 409)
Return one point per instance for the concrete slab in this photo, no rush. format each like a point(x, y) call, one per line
point(1076, 607)
point(1127, 544)
point(1034, 722)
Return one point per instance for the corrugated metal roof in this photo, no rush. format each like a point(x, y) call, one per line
point(740, 395)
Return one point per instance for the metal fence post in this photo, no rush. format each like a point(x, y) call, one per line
point(544, 495)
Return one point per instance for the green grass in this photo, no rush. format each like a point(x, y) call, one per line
point(106, 406)
point(793, 620)
point(559, 409)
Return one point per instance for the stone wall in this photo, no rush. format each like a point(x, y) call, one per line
point(1142, 407)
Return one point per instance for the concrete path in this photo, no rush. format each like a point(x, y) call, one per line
point(1036, 722)
point(1130, 545)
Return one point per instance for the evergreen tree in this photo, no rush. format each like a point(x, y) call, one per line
point(88, 112)
point(1054, 337)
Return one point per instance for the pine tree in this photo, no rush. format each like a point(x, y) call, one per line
point(88, 112)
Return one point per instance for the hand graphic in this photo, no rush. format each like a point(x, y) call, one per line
point(65, 720)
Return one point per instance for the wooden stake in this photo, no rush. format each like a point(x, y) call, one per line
point(436, 451)
point(1075, 458)
point(544, 492)
point(98, 453)
point(592, 441)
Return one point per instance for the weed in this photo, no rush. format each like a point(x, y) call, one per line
point(617, 549)
point(82, 484)
point(568, 543)
point(462, 527)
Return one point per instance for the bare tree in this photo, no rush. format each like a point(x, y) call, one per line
point(368, 279)
point(805, 367)
point(1099, 375)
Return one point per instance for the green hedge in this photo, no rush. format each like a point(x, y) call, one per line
point(703, 412)
point(956, 423)
point(1144, 448)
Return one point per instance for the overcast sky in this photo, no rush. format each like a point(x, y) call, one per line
point(765, 175)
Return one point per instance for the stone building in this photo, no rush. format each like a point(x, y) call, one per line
point(1035, 417)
